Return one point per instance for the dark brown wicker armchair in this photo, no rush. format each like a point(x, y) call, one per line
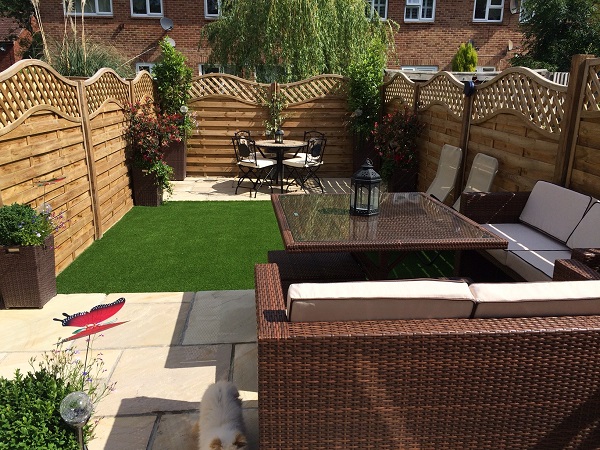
point(425, 384)
point(506, 207)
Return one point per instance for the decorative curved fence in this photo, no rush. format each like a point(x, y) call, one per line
point(62, 141)
point(223, 104)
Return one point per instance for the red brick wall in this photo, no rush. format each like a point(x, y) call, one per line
point(138, 36)
point(416, 44)
point(435, 43)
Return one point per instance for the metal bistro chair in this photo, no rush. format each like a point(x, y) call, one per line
point(252, 164)
point(482, 174)
point(447, 171)
point(304, 165)
point(308, 135)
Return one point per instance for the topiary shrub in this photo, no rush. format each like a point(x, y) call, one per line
point(465, 59)
point(29, 413)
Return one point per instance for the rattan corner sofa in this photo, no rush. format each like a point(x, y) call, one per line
point(462, 383)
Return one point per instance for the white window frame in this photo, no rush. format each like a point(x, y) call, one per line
point(489, 6)
point(208, 15)
point(148, 13)
point(88, 14)
point(371, 8)
point(203, 66)
point(420, 68)
point(143, 66)
point(418, 5)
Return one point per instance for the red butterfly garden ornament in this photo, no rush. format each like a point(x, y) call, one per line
point(89, 322)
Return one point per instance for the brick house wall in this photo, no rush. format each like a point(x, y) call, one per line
point(417, 44)
point(435, 43)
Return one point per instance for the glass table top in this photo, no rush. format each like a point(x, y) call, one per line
point(407, 221)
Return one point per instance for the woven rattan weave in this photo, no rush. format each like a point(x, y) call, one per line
point(456, 384)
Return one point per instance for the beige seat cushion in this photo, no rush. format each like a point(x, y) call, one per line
point(554, 209)
point(552, 298)
point(379, 300)
point(535, 265)
point(587, 232)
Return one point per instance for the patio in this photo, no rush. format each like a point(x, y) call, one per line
point(172, 347)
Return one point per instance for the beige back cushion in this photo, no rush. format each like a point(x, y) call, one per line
point(551, 298)
point(379, 300)
point(554, 209)
point(587, 232)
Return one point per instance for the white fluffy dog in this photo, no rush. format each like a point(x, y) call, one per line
point(221, 422)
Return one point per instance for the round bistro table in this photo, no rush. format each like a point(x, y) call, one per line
point(279, 149)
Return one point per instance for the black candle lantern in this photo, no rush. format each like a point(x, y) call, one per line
point(364, 200)
point(279, 136)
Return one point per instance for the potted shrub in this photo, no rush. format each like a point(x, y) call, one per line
point(395, 139)
point(27, 266)
point(149, 134)
point(173, 83)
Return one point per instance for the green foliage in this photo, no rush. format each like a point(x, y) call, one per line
point(22, 225)
point(173, 79)
point(29, 413)
point(149, 133)
point(290, 40)
point(366, 77)
point(395, 139)
point(465, 59)
point(20, 11)
point(276, 104)
point(555, 30)
point(82, 57)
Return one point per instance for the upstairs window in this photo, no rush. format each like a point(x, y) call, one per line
point(377, 6)
point(212, 9)
point(488, 10)
point(146, 8)
point(419, 11)
point(91, 7)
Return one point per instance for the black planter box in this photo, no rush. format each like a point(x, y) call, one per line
point(145, 190)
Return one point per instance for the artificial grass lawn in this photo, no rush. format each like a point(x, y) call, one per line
point(179, 246)
point(194, 246)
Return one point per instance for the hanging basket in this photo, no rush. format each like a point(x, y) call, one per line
point(27, 275)
point(146, 191)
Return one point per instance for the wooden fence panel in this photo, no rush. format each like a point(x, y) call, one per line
point(223, 104)
point(584, 166)
point(41, 138)
point(107, 96)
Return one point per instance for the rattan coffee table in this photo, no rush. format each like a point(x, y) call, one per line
point(408, 221)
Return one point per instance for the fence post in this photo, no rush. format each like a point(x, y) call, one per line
point(89, 157)
point(570, 122)
point(463, 140)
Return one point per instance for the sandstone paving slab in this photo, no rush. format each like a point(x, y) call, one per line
point(34, 329)
point(148, 324)
point(120, 433)
point(164, 378)
point(180, 431)
point(245, 372)
point(20, 360)
point(221, 317)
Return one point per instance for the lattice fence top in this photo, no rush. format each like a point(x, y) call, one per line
point(443, 89)
point(142, 86)
point(104, 86)
point(31, 84)
point(313, 88)
point(591, 88)
point(230, 86)
point(400, 87)
point(523, 92)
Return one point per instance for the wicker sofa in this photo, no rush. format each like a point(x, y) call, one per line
point(510, 383)
point(548, 224)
